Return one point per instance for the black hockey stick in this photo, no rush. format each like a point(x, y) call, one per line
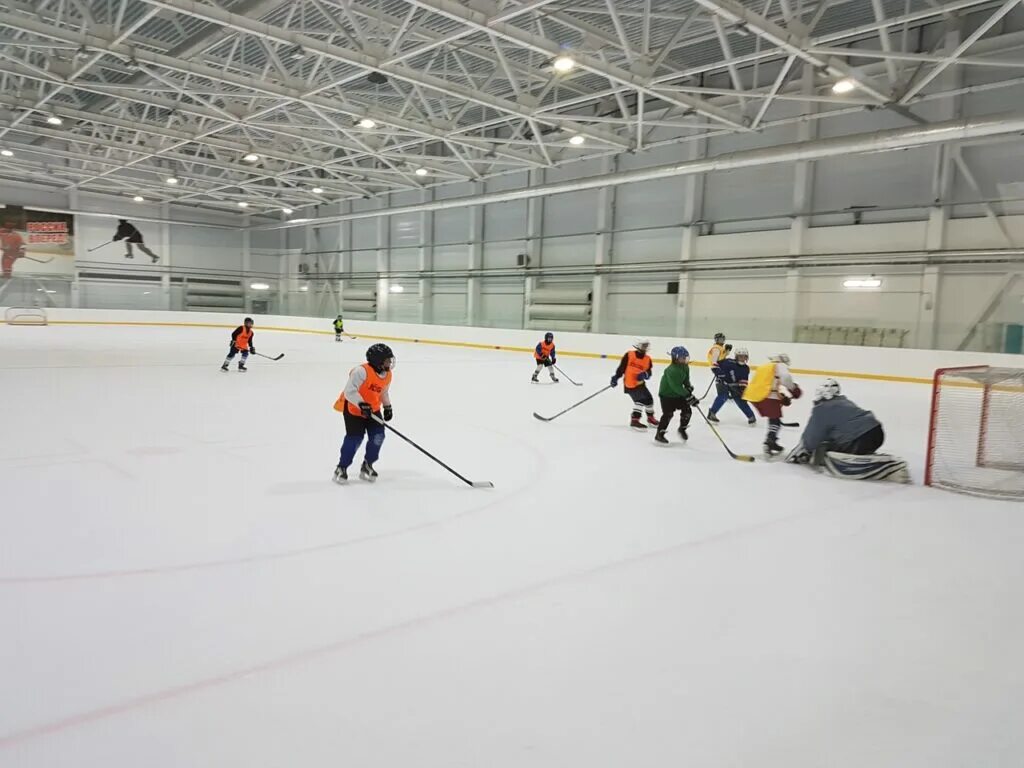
point(567, 376)
point(790, 423)
point(581, 402)
point(38, 261)
point(260, 354)
point(737, 456)
point(467, 481)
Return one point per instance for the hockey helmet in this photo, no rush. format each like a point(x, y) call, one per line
point(781, 357)
point(719, 338)
point(378, 355)
point(828, 389)
point(741, 352)
point(247, 321)
point(549, 337)
point(642, 344)
point(679, 353)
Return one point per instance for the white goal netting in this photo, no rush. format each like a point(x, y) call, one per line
point(25, 316)
point(976, 438)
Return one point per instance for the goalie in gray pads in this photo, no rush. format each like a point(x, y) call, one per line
point(842, 438)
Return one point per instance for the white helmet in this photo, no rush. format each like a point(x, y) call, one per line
point(828, 389)
point(782, 357)
point(740, 352)
point(642, 343)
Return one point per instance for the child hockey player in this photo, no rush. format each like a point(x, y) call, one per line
point(241, 341)
point(635, 369)
point(771, 389)
point(339, 327)
point(127, 232)
point(718, 352)
point(676, 394)
point(365, 396)
point(733, 377)
point(544, 354)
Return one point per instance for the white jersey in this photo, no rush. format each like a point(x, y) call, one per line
point(783, 381)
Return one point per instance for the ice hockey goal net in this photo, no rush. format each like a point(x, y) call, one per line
point(976, 437)
point(25, 316)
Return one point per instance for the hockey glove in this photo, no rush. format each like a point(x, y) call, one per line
point(785, 400)
point(692, 401)
point(797, 392)
point(615, 381)
point(365, 410)
point(643, 376)
point(388, 413)
point(728, 348)
point(252, 350)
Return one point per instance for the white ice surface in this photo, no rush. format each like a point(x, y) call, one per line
point(182, 585)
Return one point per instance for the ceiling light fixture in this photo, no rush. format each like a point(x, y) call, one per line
point(299, 221)
point(318, 190)
point(844, 86)
point(171, 179)
point(869, 283)
point(54, 120)
point(259, 286)
point(6, 153)
point(367, 123)
point(252, 157)
point(242, 204)
point(287, 211)
point(139, 199)
point(577, 140)
point(421, 171)
point(396, 289)
point(563, 63)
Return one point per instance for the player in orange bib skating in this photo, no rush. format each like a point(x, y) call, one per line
point(365, 402)
point(635, 369)
point(544, 354)
point(241, 341)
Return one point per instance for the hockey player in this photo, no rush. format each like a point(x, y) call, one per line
point(718, 352)
point(733, 377)
point(676, 394)
point(363, 402)
point(12, 247)
point(842, 439)
point(241, 341)
point(771, 389)
point(339, 327)
point(545, 356)
point(838, 424)
point(635, 369)
point(127, 232)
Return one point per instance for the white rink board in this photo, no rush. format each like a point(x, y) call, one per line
point(185, 586)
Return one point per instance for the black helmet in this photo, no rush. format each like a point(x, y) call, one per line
point(549, 337)
point(377, 354)
point(247, 320)
point(719, 337)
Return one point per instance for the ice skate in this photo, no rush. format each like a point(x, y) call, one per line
point(340, 475)
point(242, 368)
point(659, 437)
point(636, 423)
point(772, 447)
point(752, 422)
point(652, 420)
point(554, 379)
point(713, 418)
point(534, 379)
point(683, 435)
point(367, 473)
point(156, 259)
point(224, 367)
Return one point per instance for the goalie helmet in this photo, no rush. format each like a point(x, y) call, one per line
point(828, 389)
point(782, 357)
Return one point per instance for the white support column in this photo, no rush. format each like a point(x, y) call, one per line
point(74, 300)
point(534, 243)
point(927, 308)
point(426, 256)
point(166, 255)
point(475, 253)
point(246, 254)
point(603, 246)
point(344, 263)
point(383, 259)
point(693, 212)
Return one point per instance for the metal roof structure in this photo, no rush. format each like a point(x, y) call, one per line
point(278, 105)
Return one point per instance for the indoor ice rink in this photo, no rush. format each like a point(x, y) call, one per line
point(531, 578)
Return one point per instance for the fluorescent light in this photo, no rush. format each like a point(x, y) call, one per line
point(252, 157)
point(146, 293)
point(287, 211)
point(844, 86)
point(242, 204)
point(577, 140)
point(303, 287)
point(367, 123)
point(259, 286)
point(396, 289)
point(318, 190)
point(171, 179)
point(421, 171)
point(862, 282)
point(563, 63)
point(6, 153)
point(299, 221)
point(139, 199)
point(54, 120)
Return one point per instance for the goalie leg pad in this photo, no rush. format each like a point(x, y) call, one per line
point(872, 467)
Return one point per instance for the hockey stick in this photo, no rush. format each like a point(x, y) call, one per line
point(260, 354)
point(99, 246)
point(39, 261)
point(791, 423)
point(737, 456)
point(567, 376)
point(581, 402)
point(467, 481)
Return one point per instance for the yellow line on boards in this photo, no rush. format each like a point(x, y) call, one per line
point(473, 345)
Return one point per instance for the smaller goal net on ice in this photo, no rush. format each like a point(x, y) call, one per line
point(25, 316)
point(976, 437)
